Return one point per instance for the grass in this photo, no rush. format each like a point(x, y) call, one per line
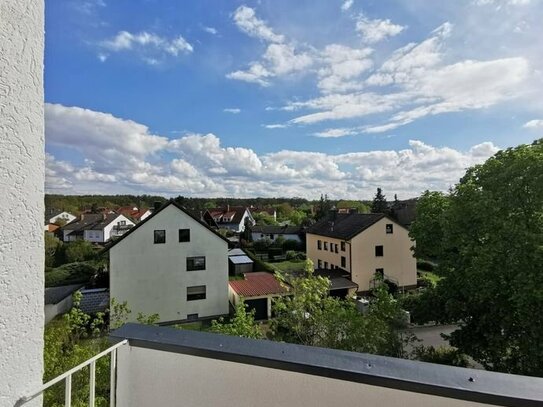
point(290, 265)
point(194, 326)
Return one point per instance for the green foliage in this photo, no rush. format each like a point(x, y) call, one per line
point(309, 316)
point(120, 311)
point(442, 355)
point(151, 319)
point(297, 217)
point(241, 324)
point(72, 273)
point(80, 250)
point(379, 203)
point(291, 244)
point(295, 256)
point(492, 251)
point(323, 207)
point(262, 245)
point(360, 206)
point(260, 265)
point(52, 245)
point(263, 218)
point(427, 229)
point(426, 265)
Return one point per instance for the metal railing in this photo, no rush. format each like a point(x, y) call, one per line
point(67, 377)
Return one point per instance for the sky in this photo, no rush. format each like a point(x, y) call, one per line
point(281, 98)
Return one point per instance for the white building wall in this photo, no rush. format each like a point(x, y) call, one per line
point(21, 206)
point(107, 230)
point(152, 278)
point(67, 217)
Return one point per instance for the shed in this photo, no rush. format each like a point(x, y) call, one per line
point(58, 300)
point(94, 300)
point(239, 263)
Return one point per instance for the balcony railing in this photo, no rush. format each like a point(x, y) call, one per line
point(164, 367)
point(67, 378)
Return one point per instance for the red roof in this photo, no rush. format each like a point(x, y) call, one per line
point(257, 284)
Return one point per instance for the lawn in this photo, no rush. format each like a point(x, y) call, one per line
point(289, 265)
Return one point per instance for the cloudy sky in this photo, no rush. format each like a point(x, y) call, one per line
point(286, 98)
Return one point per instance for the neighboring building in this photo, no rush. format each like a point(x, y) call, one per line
point(257, 290)
point(53, 216)
point(363, 245)
point(135, 213)
point(96, 228)
point(171, 264)
point(231, 217)
point(273, 232)
point(94, 300)
point(51, 227)
point(239, 262)
point(405, 211)
point(58, 300)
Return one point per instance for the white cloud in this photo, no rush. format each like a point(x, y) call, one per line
point(534, 124)
point(247, 21)
point(210, 30)
point(334, 133)
point(275, 126)
point(233, 110)
point(150, 47)
point(347, 4)
point(376, 30)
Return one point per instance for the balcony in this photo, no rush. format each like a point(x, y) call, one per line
point(159, 366)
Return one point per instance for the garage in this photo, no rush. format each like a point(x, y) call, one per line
point(260, 306)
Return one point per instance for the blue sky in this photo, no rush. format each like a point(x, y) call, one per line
point(283, 98)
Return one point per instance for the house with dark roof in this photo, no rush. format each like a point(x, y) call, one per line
point(233, 218)
point(257, 290)
point(171, 264)
point(364, 245)
point(96, 227)
point(272, 232)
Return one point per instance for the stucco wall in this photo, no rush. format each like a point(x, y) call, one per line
point(152, 278)
point(329, 256)
point(154, 378)
point(21, 205)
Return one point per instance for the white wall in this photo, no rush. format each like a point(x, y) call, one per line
point(21, 205)
point(108, 228)
point(152, 278)
point(153, 378)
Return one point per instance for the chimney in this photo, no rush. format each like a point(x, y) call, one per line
point(227, 207)
point(104, 215)
point(157, 205)
point(82, 216)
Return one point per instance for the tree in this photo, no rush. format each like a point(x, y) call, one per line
point(52, 244)
point(491, 258)
point(297, 217)
point(242, 324)
point(309, 316)
point(323, 208)
point(427, 229)
point(80, 250)
point(379, 204)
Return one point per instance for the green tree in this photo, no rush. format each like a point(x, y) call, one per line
point(323, 208)
point(379, 203)
point(358, 205)
point(241, 324)
point(491, 262)
point(80, 250)
point(262, 218)
point(427, 229)
point(297, 217)
point(52, 245)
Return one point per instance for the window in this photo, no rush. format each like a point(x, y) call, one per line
point(184, 235)
point(343, 261)
point(160, 236)
point(319, 264)
point(389, 228)
point(192, 317)
point(122, 223)
point(380, 272)
point(342, 246)
point(197, 292)
point(196, 263)
point(379, 251)
point(326, 265)
point(336, 247)
point(271, 236)
point(319, 245)
point(325, 245)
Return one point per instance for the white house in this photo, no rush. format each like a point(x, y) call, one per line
point(96, 228)
point(171, 264)
point(272, 232)
point(66, 217)
point(233, 218)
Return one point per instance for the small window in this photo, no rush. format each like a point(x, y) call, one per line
point(380, 272)
point(196, 263)
point(184, 235)
point(343, 261)
point(342, 246)
point(319, 264)
point(319, 244)
point(325, 245)
point(336, 247)
point(379, 251)
point(160, 236)
point(122, 223)
point(271, 236)
point(197, 292)
point(192, 317)
point(389, 228)
point(326, 265)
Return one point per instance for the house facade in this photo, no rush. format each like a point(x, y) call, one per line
point(363, 245)
point(273, 232)
point(233, 218)
point(171, 264)
point(96, 228)
point(59, 216)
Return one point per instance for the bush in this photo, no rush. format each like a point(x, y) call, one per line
point(274, 251)
point(442, 355)
point(291, 244)
point(295, 256)
point(260, 265)
point(79, 251)
point(71, 273)
point(422, 306)
point(261, 245)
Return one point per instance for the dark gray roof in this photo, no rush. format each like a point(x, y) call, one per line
point(277, 230)
point(91, 221)
point(54, 295)
point(94, 300)
point(345, 226)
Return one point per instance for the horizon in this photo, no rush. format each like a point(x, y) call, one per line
point(275, 98)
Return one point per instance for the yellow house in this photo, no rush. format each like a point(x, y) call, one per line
point(363, 245)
